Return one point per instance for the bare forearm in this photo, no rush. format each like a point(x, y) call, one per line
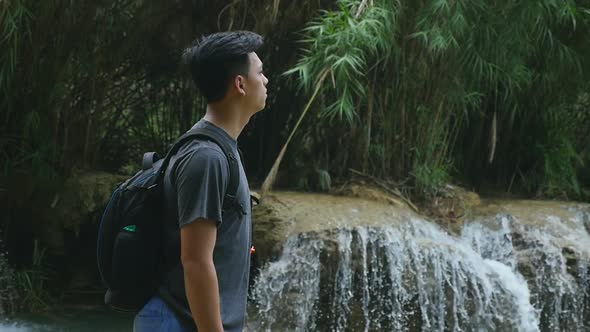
point(202, 291)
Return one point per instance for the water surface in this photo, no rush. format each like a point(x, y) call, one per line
point(71, 319)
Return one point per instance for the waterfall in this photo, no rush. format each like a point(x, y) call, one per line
point(553, 257)
point(497, 275)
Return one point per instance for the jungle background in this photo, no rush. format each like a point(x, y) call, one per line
point(491, 96)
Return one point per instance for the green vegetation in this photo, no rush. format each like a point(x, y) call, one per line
point(72, 85)
point(8, 293)
point(31, 283)
point(471, 89)
point(492, 95)
point(24, 289)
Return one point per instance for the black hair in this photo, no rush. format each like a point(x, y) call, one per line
point(214, 60)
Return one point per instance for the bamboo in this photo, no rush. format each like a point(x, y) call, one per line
point(271, 177)
point(367, 141)
point(493, 139)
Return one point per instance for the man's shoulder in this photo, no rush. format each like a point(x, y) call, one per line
point(202, 147)
point(196, 156)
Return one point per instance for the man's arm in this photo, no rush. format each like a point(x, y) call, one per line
point(197, 241)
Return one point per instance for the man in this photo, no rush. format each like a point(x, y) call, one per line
point(204, 282)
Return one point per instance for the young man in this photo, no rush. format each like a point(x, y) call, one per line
point(204, 283)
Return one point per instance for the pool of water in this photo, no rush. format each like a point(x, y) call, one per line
point(70, 319)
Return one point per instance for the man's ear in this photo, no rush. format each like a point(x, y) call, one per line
point(239, 84)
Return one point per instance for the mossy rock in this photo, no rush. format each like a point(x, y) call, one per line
point(80, 202)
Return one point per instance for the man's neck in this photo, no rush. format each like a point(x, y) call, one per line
point(227, 118)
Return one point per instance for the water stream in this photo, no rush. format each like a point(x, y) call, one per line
point(497, 275)
point(94, 318)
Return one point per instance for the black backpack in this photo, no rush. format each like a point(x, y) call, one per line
point(129, 250)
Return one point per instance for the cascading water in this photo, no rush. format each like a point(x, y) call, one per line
point(554, 258)
point(498, 275)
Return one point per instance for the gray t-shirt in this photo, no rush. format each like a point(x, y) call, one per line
point(195, 184)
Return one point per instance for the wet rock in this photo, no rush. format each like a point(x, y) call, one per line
point(280, 214)
point(571, 260)
point(518, 240)
point(544, 242)
point(451, 207)
point(378, 278)
point(270, 228)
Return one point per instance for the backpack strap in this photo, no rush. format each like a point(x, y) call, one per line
point(229, 201)
point(149, 158)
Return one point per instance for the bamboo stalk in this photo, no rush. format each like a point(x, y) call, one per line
point(272, 174)
point(360, 9)
point(493, 139)
point(367, 138)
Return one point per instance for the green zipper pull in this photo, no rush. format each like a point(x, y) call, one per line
point(130, 228)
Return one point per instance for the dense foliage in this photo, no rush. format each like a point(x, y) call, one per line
point(94, 84)
point(492, 93)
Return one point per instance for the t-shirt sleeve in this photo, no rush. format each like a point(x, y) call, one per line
point(201, 183)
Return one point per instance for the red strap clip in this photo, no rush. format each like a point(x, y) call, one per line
point(252, 250)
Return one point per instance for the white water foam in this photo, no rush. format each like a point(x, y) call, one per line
point(414, 277)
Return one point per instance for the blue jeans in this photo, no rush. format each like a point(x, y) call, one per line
point(156, 316)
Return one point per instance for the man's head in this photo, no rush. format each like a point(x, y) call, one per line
point(225, 65)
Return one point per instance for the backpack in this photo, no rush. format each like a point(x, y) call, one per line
point(129, 244)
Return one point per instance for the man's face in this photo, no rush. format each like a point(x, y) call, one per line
point(256, 84)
